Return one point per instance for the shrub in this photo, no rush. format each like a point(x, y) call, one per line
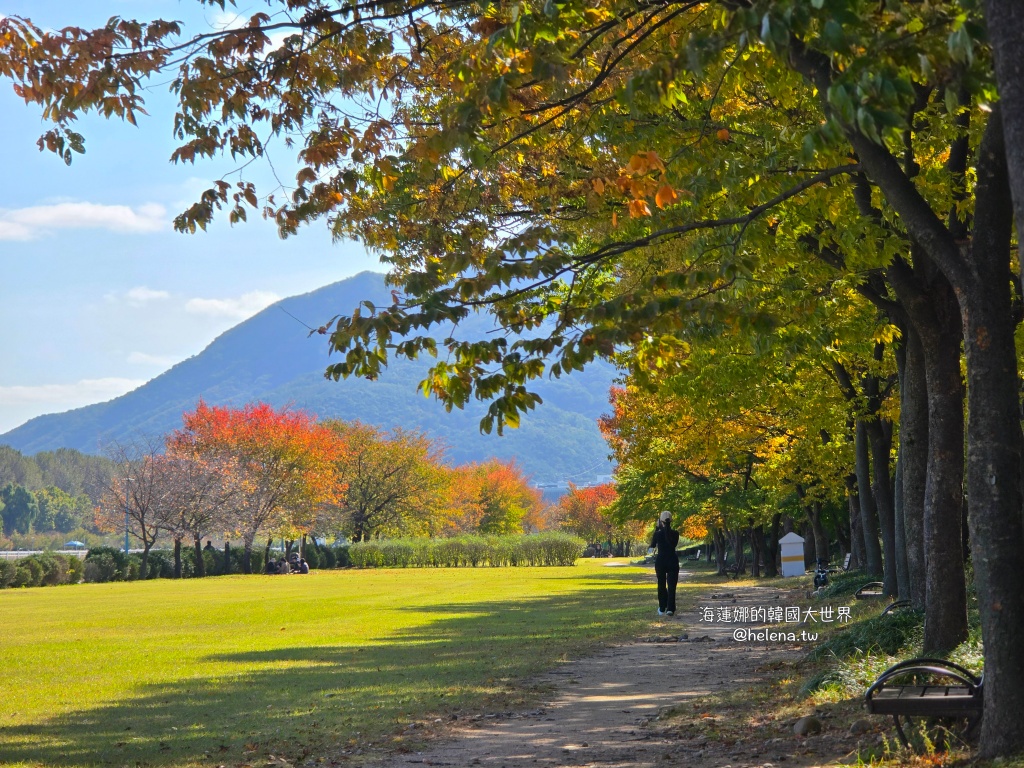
point(160, 564)
point(342, 556)
point(8, 570)
point(25, 575)
point(133, 568)
point(76, 570)
point(114, 564)
point(327, 557)
point(54, 568)
point(312, 557)
point(28, 573)
point(545, 549)
point(101, 567)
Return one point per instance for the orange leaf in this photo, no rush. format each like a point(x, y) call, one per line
point(638, 209)
point(666, 196)
point(723, 135)
point(598, 186)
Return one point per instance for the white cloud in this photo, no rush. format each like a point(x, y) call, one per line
point(144, 358)
point(34, 221)
point(65, 396)
point(142, 295)
point(245, 306)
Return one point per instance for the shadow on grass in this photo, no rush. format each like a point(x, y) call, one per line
point(314, 702)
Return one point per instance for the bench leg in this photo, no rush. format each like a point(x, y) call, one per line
point(899, 731)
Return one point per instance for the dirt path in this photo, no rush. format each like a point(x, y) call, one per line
point(605, 709)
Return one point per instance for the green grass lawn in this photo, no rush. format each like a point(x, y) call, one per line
point(225, 671)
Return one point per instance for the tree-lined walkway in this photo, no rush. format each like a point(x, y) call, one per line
point(604, 709)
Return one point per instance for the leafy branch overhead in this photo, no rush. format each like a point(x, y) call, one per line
point(509, 158)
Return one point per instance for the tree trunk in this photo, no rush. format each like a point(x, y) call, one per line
point(719, 550)
point(810, 545)
point(1005, 21)
point(145, 561)
point(227, 559)
point(994, 446)
point(880, 436)
point(868, 511)
point(902, 564)
point(856, 535)
point(842, 535)
point(771, 548)
point(177, 558)
point(821, 543)
point(737, 545)
point(931, 305)
point(200, 562)
point(945, 625)
point(756, 549)
point(914, 463)
point(246, 556)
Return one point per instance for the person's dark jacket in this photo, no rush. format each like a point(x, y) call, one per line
point(665, 539)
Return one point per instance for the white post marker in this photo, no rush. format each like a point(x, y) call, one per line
point(792, 547)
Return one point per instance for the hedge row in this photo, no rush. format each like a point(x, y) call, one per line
point(47, 569)
point(461, 551)
point(103, 564)
point(110, 564)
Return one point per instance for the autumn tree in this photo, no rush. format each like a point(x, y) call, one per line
point(587, 513)
point(281, 462)
point(490, 497)
point(394, 482)
point(133, 503)
point(199, 495)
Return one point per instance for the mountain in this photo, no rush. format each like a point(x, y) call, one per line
point(271, 357)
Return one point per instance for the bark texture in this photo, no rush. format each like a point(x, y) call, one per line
point(914, 463)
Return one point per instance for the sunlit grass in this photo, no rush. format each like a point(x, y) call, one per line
point(223, 671)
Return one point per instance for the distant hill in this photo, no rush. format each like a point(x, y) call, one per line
point(271, 357)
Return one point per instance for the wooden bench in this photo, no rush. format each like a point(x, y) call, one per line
point(870, 590)
point(896, 605)
point(694, 557)
point(846, 564)
point(927, 697)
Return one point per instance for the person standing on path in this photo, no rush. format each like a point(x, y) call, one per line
point(666, 563)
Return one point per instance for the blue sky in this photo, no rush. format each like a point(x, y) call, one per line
point(99, 293)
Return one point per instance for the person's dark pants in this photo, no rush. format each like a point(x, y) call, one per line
point(667, 580)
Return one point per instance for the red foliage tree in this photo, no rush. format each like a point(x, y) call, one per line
point(584, 511)
point(283, 460)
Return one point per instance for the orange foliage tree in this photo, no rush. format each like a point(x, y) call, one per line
point(492, 497)
point(284, 461)
point(586, 512)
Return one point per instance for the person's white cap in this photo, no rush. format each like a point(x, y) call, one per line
point(666, 515)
